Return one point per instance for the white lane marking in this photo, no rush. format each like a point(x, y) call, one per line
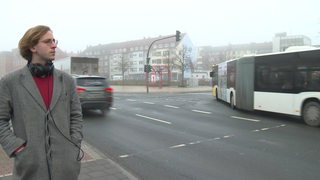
point(113, 108)
point(124, 156)
point(148, 102)
point(196, 142)
point(269, 128)
point(204, 140)
point(181, 145)
point(246, 119)
point(228, 136)
point(175, 107)
point(131, 100)
point(10, 174)
point(154, 119)
point(204, 112)
point(177, 146)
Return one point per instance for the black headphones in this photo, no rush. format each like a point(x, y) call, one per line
point(41, 70)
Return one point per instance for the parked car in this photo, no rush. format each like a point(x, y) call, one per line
point(94, 92)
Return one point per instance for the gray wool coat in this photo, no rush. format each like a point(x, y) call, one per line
point(53, 137)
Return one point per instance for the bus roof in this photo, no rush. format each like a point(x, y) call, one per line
point(285, 52)
point(299, 48)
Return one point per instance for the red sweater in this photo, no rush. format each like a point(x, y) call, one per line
point(45, 86)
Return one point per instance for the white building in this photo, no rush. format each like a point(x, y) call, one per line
point(281, 41)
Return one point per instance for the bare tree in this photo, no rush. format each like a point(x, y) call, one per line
point(207, 58)
point(124, 66)
point(170, 65)
point(184, 62)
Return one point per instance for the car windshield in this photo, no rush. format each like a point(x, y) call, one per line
point(91, 82)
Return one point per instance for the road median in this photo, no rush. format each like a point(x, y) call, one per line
point(143, 89)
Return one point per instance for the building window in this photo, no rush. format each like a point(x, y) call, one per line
point(165, 53)
point(157, 53)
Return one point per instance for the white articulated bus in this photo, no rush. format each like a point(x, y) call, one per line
point(287, 83)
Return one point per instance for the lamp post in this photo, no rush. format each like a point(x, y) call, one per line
point(178, 38)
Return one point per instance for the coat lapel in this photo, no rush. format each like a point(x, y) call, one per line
point(57, 88)
point(28, 82)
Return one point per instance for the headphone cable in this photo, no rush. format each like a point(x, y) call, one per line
point(81, 152)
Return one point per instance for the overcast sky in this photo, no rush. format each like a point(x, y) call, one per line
point(79, 23)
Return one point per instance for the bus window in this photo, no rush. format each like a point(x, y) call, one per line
point(301, 80)
point(262, 78)
point(313, 83)
point(287, 81)
point(231, 74)
point(308, 78)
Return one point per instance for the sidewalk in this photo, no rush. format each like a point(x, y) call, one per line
point(95, 166)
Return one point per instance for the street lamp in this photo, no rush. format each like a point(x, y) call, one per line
point(178, 38)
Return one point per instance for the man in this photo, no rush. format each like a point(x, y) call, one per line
point(45, 112)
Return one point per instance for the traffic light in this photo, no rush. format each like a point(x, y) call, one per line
point(178, 36)
point(147, 68)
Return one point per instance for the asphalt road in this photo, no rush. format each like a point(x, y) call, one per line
point(182, 136)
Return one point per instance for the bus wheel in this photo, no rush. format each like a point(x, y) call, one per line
point(232, 102)
point(311, 114)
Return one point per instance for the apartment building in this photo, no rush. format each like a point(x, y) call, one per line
point(281, 41)
point(209, 55)
point(126, 60)
point(170, 60)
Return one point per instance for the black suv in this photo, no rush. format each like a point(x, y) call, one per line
point(94, 92)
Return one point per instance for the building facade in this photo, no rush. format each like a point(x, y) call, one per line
point(281, 41)
point(126, 60)
point(208, 55)
point(170, 60)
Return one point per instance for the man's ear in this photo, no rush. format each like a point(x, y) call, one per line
point(32, 49)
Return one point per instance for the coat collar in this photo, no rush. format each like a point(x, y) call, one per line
point(28, 82)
